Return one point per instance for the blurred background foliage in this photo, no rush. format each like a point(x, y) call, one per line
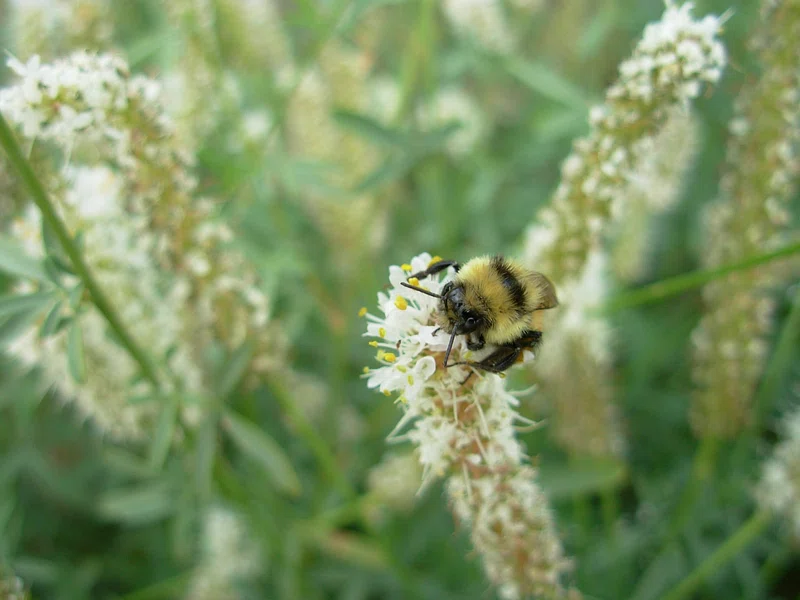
point(84, 517)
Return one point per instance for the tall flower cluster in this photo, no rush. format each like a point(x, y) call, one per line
point(779, 488)
point(342, 214)
point(672, 62)
point(449, 105)
point(197, 90)
point(465, 432)
point(119, 251)
point(482, 21)
point(750, 217)
point(252, 33)
point(152, 240)
point(228, 558)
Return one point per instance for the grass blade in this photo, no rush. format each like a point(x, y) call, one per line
point(260, 447)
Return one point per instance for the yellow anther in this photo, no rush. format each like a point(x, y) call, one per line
point(413, 281)
point(365, 370)
point(389, 357)
point(387, 393)
point(382, 332)
point(362, 311)
point(401, 303)
point(406, 267)
point(402, 368)
point(502, 375)
point(410, 380)
point(402, 399)
point(374, 344)
point(434, 260)
point(380, 354)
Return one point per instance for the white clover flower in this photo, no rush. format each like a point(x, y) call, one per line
point(384, 96)
point(229, 557)
point(465, 431)
point(85, 98)
point(395, 481)
point(482, 20)
point(779, 488)
point(449, 105)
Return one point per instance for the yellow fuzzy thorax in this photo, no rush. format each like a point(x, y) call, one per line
point(485, 290)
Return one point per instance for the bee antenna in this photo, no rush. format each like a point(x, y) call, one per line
point(419, 289)
point(449, 347)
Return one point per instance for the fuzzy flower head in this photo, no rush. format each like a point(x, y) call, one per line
point(465, 431)
point(229, 558)
point(480, 20)
point(779, 489)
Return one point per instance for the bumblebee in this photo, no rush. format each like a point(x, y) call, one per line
point(492, 300)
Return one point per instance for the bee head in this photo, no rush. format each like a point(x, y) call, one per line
point(463, 319)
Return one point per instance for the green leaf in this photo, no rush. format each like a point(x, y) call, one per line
point(164, 433)
point(659, 290)
point(53, 321)
point(206, 451)
point(370, 129)
point(585, 476)
point(14, 261)
point(546, 81)
point(57, 266)
point(15, 304)
point(125, 463)
point(260, 447)
point(76, 296)
point(16, 325)
point(137, 505)
point(391, 169)
point(433, 140)
point(234, 369)
point(76, 359)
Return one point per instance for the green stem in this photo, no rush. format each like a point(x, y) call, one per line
point(49, 214)
point(702, 468)
point(608, 498)
point(417, 58)
point(324, 455)
point(676, 285)
point(748, 532)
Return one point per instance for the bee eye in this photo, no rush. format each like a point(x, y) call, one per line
point(471, 321)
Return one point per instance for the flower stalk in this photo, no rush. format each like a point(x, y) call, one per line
point(730, 345)
point(674, 61)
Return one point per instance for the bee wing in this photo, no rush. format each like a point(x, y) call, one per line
point(547, 291)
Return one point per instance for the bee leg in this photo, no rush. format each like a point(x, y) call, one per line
point(497, 362)
point(436, 267)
